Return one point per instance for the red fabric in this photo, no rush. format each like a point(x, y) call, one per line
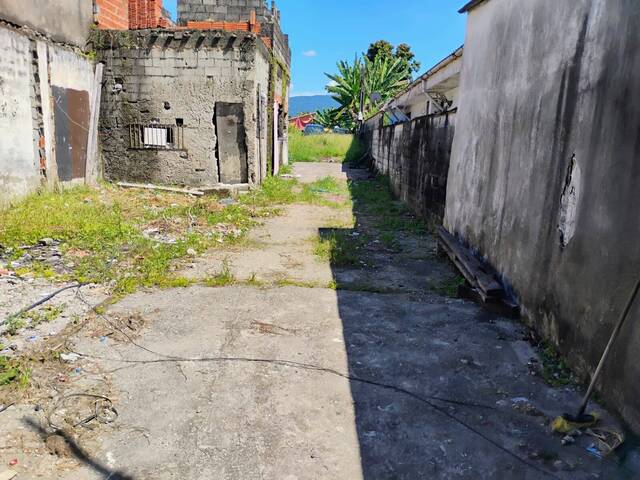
point(302, 121)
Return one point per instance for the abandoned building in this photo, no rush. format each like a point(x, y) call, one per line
point(48, 95)
point(141, 98)
point(200, 103)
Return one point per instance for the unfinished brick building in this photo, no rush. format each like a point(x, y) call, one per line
point(199, 103)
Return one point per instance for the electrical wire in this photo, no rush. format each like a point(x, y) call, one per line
point(43, 300)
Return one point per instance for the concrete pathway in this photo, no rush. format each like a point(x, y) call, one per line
point(292, 379)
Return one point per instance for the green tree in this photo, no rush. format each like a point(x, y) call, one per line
point(380, 48)
point(383, 76)
point(403, 52)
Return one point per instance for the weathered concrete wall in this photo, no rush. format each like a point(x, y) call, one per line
point(164, 76)
point(415, 156)
point(18, 168)
point(65, 21)
point(32, 70)
point(545, 170)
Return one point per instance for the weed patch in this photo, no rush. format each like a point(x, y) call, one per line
point(338, 247)
point(374, 197)
point(449, 287)
point(13, 371)
point(222, 279)
point(554, 370)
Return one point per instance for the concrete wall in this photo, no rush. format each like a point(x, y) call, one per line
point(65, 21)
point(415, 156)
point(18, 166)
point(221, 10)
point(31, 70)
point(163, 76)
point(545, 171)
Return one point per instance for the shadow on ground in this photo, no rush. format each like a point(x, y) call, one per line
point(441, 388)
point(67, 443)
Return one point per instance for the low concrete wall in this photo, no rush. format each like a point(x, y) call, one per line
point(65, 21)
point(545, 171)
point(415, 156)
point(32, 115)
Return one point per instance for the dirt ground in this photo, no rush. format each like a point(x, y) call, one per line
point(301, 368)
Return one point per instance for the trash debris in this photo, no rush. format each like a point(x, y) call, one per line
point(523, 405)
point(32, 338)
point(191, 252)
point(568, 440)
point(608, 440)
point(77, 371)
point(228, 201)
point(69, 357)
point(103, 339)
point(13, 462)
point(6, 273)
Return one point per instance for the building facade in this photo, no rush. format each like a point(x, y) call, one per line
point(200, 103)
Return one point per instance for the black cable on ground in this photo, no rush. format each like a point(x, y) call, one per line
point(42, 300)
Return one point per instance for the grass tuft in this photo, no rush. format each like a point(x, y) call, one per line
point(222, 279)
point(337, 247)
point(13, 371)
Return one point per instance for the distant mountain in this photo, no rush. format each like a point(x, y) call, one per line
point(311, 103)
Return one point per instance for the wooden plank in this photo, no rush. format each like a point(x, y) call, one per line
point(149, 186)
point(91, 171)
point(470, 267)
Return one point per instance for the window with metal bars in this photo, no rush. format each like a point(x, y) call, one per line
point(155, 136)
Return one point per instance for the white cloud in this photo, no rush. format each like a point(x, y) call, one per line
point(332, 83)
point(310, 53)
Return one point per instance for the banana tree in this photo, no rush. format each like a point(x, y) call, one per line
point(384, 76)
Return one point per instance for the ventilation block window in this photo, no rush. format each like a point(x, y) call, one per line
point(155, 136)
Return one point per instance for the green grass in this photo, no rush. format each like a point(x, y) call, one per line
point(102, 230)
point(13, 371)
point(449, 287)
point(374, 197)
point(33, 318)
point(314, 148)
point(554, 370)
point(222, 279)
point(338, 247)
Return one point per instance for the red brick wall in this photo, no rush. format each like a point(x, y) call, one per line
point(146, 14)
point(113, 14)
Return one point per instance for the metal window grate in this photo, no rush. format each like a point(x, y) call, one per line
point(155, 136)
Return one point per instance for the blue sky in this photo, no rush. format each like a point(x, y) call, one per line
point(322, 32)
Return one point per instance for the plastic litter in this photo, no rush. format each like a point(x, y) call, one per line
point(69, 357)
